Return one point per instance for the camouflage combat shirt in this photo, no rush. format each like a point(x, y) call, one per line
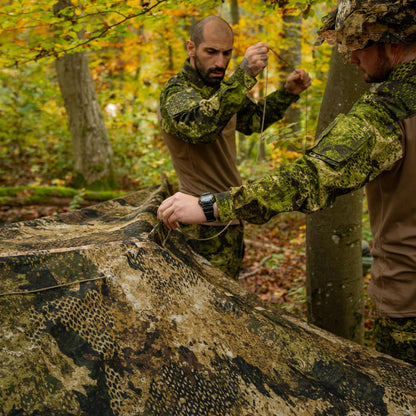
point(197, 113)
point(199, 122)
point(353, 150)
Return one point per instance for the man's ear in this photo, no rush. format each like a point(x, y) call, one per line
point(190, 48)
point(395, 51)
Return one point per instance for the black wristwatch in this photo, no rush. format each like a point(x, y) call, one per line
point(207, 203)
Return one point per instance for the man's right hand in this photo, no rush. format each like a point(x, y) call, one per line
point(255, 59)
point(181, 207)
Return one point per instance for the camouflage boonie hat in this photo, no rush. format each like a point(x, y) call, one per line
point(356, 24)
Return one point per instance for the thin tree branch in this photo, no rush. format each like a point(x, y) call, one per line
point(253, 272)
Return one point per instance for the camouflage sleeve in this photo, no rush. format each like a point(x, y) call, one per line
point(351, 152)
point(249, 118)
point(187, 115)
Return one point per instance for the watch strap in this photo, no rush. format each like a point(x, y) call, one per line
point(206, 201)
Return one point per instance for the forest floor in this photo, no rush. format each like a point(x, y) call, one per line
point(275, 262)
point(274, 265)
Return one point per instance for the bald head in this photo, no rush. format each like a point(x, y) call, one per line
point(210, 49)
point(213, 24)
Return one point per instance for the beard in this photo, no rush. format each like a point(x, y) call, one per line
point(211, 76)
point(383, 67)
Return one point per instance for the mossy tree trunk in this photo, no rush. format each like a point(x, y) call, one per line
point(93, 156)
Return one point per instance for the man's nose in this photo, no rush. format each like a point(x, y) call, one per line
point(221, 61)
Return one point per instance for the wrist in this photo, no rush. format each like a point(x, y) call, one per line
point(206, 201)
point(216, 213)
point(240, 76)
point(289, 90)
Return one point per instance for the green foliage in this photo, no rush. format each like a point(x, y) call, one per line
point(34, 140)
point(77, 199)
point(367, 234)
point(39, 29)
point(298, 295)
point(134, 47)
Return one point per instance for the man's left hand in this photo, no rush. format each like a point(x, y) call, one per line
point(297, 82)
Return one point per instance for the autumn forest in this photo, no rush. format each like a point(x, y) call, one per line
point(61, 58)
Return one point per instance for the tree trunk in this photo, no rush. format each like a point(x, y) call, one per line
point(99, 317)
point(93, 156)
point(234, 12)
point(91, 145)
point(333, 239)
point(241, 138)
point(293, 56)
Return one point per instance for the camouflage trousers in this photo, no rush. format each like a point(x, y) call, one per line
point(396, 337)
point(225, 251)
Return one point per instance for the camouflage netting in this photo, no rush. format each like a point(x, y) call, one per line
point(98, 319)
point(356, 23)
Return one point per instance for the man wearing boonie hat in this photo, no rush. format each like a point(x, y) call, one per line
point(373, 145)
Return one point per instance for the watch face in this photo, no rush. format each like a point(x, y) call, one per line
point(205, 198)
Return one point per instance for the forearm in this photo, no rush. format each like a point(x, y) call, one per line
point(287, 189)
point(354, 150)
point(193, 118)
point(250, 117)
point(348, 156)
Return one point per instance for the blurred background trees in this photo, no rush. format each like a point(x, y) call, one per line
point(60, 125)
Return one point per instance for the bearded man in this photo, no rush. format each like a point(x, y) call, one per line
point(199, 114)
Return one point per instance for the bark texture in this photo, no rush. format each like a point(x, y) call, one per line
point(333, 236)
point(292, 54)
point(93, 156)
point(99, 318)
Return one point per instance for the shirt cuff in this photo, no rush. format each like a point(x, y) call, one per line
point(287, 97)
point(243, 78)
point(225, 206)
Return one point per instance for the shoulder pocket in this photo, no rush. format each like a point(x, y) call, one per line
point(182, 102)
point(340, 140)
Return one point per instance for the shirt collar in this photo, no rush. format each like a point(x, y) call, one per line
point(403, 70)
point(193, 76)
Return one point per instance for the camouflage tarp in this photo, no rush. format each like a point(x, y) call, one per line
point(98, 319)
